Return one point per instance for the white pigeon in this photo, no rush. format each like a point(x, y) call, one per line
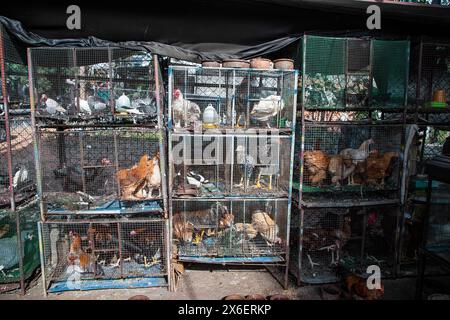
point(84, 107)
point(51, 106)
point(20, 176)
point(123, 104)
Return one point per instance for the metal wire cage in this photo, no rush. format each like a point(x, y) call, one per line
point(93, 254)
point(85, 83)
point(438, 235)
point(331, 240)
point(17, 268)
point(231, 231)
point(102, 170)
point(230, 98)
point(353, 159)
point(215, 165)
point(354, 73)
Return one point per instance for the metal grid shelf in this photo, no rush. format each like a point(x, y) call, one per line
point(214, 166)
point(101, 171)
point(232, 98)
point(353, 73)
point(82, 254)
point(106, 84)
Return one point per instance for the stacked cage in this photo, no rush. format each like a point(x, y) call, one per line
point(100, 158)
point(18, 213)
point(230, 155)
point(350, 155)
point(430, 69)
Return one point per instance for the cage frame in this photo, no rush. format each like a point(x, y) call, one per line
point(10, 54)
point(114, 283)
point(115, 130)
point(112, 116)
point(369, 108)
point(187, 68)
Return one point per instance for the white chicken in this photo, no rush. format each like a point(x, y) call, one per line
point(267, 108)
point(20, 176)
point(51, 106)
point(357, 155)
point(184, 110)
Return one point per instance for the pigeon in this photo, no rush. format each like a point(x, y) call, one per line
point(51, 106)
point(96, 103)
point(123, 104)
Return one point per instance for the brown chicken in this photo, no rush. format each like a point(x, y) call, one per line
point(316, 164)
point(340, 169)
point(132, 181)
point(358, 286)
point(378, 167)
point(75, 248)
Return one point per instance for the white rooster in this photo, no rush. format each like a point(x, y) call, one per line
point(51, 106)
point(267, 108)
point(20, 176)
point(184, 110)
point(357, 155)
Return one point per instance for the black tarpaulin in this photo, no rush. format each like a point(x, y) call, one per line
point(212, 30)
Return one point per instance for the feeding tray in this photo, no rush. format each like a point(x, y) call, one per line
point(436, 104)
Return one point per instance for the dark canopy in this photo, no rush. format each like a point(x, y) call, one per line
point(203, 30)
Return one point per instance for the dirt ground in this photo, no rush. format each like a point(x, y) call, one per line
point(213, 285)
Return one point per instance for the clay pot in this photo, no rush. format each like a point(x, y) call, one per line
point(235, 63)
point(439, 96)
point(210, 64)
point(233, 297)
point(255, 297)
point(278, 297)
point(283, 64)
point(260, 63)
point(139, 297)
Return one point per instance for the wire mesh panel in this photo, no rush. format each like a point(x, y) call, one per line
point(354, 73)
point(22, 160)
point(433, 144)
point(91, 254)
point(232, 98)
point(85, 83)
point(107, 170)
point(217, 165)
point(351, 158)
point(438, 235)
point(231, 229)
point(28, 216)
point(336, 239)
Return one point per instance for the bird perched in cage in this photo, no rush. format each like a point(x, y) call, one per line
point(266, 226)
point(247, 229)
point(96, 103)
point(84, 106)
point(267, 164)
point(377, 167)
point(340, 237)
point(246, 164)
point(196, 179)
point(73, 176)
point(51, 106)
point(146, 105)
point(123, 105)
point(184, 110)
point(153, 178)
point(316, 164)
point(21, 176)
point(132, 181)
point(357, 155)
point(267, 108)
point(340, 169)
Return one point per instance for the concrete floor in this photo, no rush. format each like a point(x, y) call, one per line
point(213, 285)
